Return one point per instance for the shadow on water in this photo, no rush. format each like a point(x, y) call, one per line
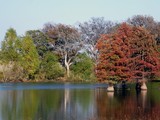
point(77, 102)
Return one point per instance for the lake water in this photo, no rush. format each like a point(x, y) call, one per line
point(55, 101)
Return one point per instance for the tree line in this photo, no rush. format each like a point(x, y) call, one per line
point(94, 50)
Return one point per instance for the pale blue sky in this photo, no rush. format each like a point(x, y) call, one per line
point(25, 15)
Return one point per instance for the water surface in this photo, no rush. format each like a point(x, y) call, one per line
point(58, 101)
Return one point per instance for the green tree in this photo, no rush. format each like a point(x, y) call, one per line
point(10, 55)
point(10, 46)
point(29, 57)
point(51, 67)
point(83, 67)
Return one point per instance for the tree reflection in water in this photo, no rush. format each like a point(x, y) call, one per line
point(79, 104)
point(128, 106)
point(47, 104)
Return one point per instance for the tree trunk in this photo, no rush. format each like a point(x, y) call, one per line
point(143, 87)
point(67, 65)
point(110, 88)
point(68, 70)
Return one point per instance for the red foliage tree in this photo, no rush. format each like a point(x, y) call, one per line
point(128, 53)
point(145, 56)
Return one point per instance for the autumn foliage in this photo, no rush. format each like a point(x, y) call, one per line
point(126, 54)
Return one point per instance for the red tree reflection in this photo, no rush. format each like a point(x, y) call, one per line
point(124, 106)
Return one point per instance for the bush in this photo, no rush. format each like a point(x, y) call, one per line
point(51, 67)
point(83, 67)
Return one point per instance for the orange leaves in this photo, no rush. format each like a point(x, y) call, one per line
point(128, 53)
point(113, 50)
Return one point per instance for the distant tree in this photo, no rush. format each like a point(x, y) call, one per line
point(29, 57)
point(158, 34)
point(129, 53)
point(83, 67)
point(148, 23)
point(51, 67)
point(65, 41)
point(143, 21)
point(91, 31)
point(40, 40)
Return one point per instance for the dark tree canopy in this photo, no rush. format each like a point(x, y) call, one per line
point(40, 40)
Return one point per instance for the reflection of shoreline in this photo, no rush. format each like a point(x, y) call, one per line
point(143, 93)
point(110, 95)
point(144, 98)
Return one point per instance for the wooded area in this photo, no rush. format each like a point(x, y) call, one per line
point(96, 50)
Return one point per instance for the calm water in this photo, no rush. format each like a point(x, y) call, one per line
point(50, 101)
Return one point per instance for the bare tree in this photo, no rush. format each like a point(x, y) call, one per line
point(91, 31)
point(148, 23)
point(65, 42)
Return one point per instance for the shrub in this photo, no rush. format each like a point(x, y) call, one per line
point(51, 67)
point(83, 67)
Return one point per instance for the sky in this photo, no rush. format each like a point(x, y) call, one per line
point(23, 15)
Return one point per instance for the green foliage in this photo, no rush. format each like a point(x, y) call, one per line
point(10, 47)
point(65, 42)
point(51, 67)
point(10, 56)
point(29, 57)
point(126, 52)
point(83, 67)
point(83, 97)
